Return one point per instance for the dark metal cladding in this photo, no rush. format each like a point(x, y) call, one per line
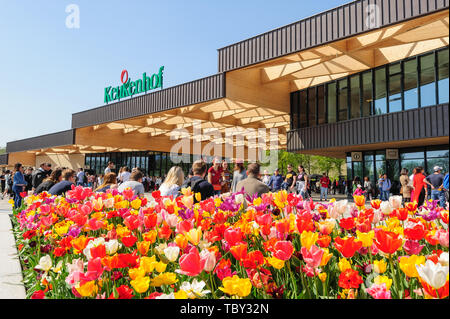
point(43, 141)
point(332, 25)
point(4, 159)
point(426, 122)
point(202, 90)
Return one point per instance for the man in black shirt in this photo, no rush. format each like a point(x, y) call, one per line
point(65, 185)
point(197, 183)
point(28, 178)
point(436, 181)
point(291, 179)
point(40, 174)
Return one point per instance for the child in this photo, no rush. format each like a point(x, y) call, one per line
point(358, 191)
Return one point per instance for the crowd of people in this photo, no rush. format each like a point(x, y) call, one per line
point(218, 179)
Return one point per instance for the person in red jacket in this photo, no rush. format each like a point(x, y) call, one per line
point(324, 183)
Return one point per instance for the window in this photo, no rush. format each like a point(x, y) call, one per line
point(321, 105)
point(343, 100)
point(355, 108)
point(369, 166)
point(331, 101)
point(311, 106)
point(303, 111)
point(294, 110)
point(367, 93)
point(443, 76)
point(410, 84)
point(380, 91)
point(349, 167)
point(427, 84)
point(395, 88)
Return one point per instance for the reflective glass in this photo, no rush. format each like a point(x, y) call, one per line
point(443, 76)
point(395, 88)
point(343, 100)
point(380, 91)
point(311, 106)
point(355, 108)
point(367, 98)
point(427, 84)
point(331, 101)
point(410, 84)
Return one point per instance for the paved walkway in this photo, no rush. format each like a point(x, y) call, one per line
point(11, 286)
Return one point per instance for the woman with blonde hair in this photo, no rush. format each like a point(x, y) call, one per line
point(173, 182)
point(109, 182)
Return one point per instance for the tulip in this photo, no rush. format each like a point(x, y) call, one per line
point(236, 286)
point(443, 259)
point(308, 238)
point(312, 256)
point(388, 242)
point(443, 236)
point(233, 235)
point(433, 274)
point(366, 238)
point(283, 250)
point(112, 246)
point(209, 260)
point(194, 235)
point(376, 203)
point(383, 280)
point(347, 246)
point(408, 265)
point(275, 262)
point(172, 253)
point(191, 264)
point(344, 264)
point(194, 289)
point(386, 208)
point(396, 201)
point(140, 284)
point(239, 251)
point(379, 291)
point(379, 266)
point(359, 200)
point(45, 263)
point(412, 247)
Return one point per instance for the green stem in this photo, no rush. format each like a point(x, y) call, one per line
point(293, 280)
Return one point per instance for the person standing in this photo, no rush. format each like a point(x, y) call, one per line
point(324, 183)
point(436, 181)
point(80, 177)
point(302, 182)
point(19, 184)
point(405, 189)
point(266, 177)
point(420, 192)
point(276, 180)
point(445, 184)
point(40, 174)
point(385, 187)
point(109, 168)
point(172, 184)
point(197, 182)
point(28, 178)
point(252, 185)
point(8, 184)
point(290, 180)
point(238, 175)
point(125, 175)
point(226, 178)
point(215, 176)
point(368, 189)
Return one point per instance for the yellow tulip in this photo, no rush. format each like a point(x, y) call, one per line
point(180, 294)
point(344, 264)
point(383, 279)
point(188, 201)
point(366, 238)
point(136, 204)
point(148, 263)
point(194, 235)
point(275, 262)
point(325, 257)
point(408, 265)
point(308, 238)
point(140, 284)
point(88, 289)
point(280, 198)
point(379, 266)
point(135, 273)
point(236, 286)
point(167, 278)
point(322, 276)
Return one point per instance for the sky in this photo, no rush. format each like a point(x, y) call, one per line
point(49, 71)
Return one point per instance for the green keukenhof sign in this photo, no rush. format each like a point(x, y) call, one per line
point(130, 88)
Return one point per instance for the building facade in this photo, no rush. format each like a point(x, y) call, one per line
point(366, 81)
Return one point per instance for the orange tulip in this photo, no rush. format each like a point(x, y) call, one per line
point(181, 241)
point(375, 203)
point(388, 242)
point(150, 236)
point(143, 247)
point(360, 200)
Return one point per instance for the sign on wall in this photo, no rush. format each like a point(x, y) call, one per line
point(130, 88)
point(391, 153)
point(357, 156)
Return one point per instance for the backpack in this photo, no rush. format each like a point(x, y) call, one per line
point(194, 185)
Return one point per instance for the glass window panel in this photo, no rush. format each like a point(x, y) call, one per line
point(380, 155)
point(369, 168)
point(321, 104)
point(437, 153)
point(294, 110)
point(443, 76)
point(343, 100)
point(355, 108)
point(331, 101)
point(349, 168)
point(358, 170)
point(380, 91)
point(427, 84)
point(302, 107)
point(442, 162)
point(312, 106)
point(412, 155)
point(395, 88)
point(410, 164)
point(410, 84)
point(381, 168)
point(367, 98)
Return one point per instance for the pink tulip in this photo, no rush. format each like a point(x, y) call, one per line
point(412, 247)
point(185, 226)
point(95, 224)
point(313, 256)
point(191, 264)
point(283, 250)
point(442, 236)
point(209, 259)
point(379, 291)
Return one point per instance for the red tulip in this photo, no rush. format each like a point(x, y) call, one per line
point(150, 220)
point(98, 251)
point(233, 235)
point(239, 251)
point(388, 242)
point(350, 278)
point(415, 233)
point(347, 223)
point(347, 246)
point(132, 222)
point(129, 241)
point(191, 264)
point(39, 294)
point(253, 260)
point(283, 250)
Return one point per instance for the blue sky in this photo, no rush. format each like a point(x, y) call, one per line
point(48, 71)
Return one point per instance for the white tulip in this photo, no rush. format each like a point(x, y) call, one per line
point(396, 201)
point(172, 253)
point(45, 263)
point(443, 259)
point(194, 289)
point(160, 248)
point(239, 198)
point(112, 246)
point(386, 208)
point(433, 274)
point(166, 296)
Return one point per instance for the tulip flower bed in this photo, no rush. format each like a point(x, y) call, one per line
point(115, 245)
